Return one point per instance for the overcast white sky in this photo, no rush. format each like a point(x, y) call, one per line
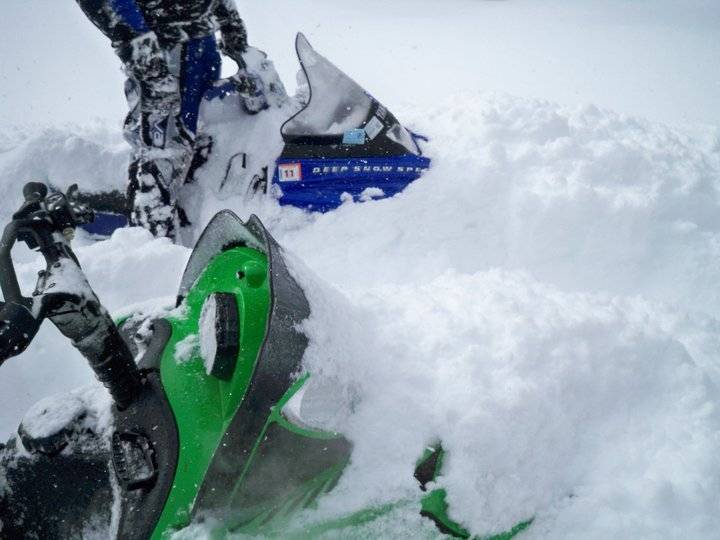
point(654, 58)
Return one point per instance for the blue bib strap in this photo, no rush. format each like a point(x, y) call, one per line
point(131, 15)
point(200, 69)
point(120, 20)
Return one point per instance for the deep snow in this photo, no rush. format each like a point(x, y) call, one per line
point(543, 301)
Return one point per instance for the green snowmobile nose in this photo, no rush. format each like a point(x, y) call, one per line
point(229, 364)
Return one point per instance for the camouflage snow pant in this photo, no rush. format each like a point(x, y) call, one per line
point(164, 97)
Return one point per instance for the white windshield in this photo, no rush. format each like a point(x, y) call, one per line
point(337, 105)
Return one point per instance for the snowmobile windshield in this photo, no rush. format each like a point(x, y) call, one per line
point(336, 105)
point(338, 109)
point(224, 232)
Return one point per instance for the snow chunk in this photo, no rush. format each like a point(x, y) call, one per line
point(186, 349)
point(52, 415)
point(371, 193)
point(208, 337)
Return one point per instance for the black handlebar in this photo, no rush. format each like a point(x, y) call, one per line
point(47, 222)
point(18, 325)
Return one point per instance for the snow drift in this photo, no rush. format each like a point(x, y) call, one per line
point(542, 301)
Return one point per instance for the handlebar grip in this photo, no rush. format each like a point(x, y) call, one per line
point(93, 333)
point(111, 360)
point(18, 327)
point(8, 279)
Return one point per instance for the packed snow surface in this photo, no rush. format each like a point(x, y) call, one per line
point(544, 301)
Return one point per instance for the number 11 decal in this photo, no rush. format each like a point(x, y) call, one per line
point(290, 172)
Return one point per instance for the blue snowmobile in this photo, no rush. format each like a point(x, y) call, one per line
point(331, 143)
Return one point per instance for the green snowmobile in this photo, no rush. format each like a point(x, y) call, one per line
point(207, 413)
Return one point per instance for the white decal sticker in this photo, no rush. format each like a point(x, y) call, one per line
point(374, 127)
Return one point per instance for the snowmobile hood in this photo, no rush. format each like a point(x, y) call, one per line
point(224, 231)
point(226, 406)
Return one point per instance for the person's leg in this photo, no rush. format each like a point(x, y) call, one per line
point(153, 203)
point(200, 69)
point(157, 176)
point(161, 145)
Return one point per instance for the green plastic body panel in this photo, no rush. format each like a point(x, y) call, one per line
point(435, 504)
point(203, 405)
point(273, 518)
